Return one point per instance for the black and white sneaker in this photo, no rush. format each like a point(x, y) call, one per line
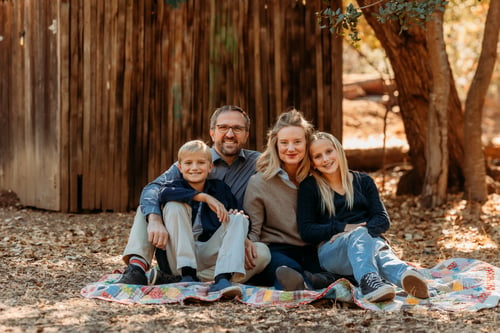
point(157, 277)
point(133, 275)
point(375, 290)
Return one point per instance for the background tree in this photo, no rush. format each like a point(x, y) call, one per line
point(474, 167)
point(410, 53)
point(436, 152)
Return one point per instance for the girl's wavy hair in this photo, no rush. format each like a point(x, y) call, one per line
point(327, 194)
point(269, 161)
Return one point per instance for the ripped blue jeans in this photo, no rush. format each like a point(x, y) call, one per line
point(358, 253)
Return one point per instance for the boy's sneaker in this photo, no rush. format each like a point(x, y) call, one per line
point(133, 275)
point(189, 278)
point(321, 280)
point(157, 277)
point(226, 288)
point(414, 284)
point(375, 290)
point(290, 279)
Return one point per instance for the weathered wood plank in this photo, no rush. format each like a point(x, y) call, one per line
point(100, 111)
point(64, 63)
point(88, 110)
point(76, 106)
point(142, 77)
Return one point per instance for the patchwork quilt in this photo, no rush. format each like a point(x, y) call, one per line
point(456, 284)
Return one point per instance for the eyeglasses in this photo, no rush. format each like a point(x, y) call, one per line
point(225, 129)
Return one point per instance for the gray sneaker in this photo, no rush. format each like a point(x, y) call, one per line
point(375, 290)
point(290, 279)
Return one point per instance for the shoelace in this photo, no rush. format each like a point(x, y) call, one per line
point(373, 281)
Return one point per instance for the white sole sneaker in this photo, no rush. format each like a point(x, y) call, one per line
point(384, 293)
point(229, 292)
point(414, 284)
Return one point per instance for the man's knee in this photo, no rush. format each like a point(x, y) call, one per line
point(138, 243)
point(263, 256)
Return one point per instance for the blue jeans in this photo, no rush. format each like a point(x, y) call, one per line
point(357, 253)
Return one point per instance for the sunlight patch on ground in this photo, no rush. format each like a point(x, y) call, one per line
point(464, 235)
point(467, 240)
point(17, 312)
point(112, 260)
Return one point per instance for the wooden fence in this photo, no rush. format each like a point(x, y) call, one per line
point(97, 96)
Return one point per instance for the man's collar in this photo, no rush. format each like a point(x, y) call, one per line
point(216, 156)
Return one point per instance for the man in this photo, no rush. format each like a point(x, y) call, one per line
point(229, 130)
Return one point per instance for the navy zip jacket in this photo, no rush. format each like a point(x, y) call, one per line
point(316, 226)
point(181, 191)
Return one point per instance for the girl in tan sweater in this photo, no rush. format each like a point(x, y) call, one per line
point(271, 198)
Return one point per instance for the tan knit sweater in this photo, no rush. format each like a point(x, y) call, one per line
point(271, 206)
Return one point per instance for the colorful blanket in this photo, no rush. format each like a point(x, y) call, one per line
point(456, 285)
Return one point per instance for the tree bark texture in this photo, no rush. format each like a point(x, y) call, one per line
point(474, 166)
point(409, 56)
point(436, 174)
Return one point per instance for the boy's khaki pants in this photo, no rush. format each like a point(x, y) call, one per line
point(138, 244)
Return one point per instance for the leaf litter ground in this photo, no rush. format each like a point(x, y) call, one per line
point(47, 257)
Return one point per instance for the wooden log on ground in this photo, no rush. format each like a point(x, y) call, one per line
point(373, 159)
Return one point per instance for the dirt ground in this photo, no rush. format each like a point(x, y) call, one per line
point(47, 257)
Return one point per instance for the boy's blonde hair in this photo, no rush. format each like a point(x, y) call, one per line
point(195, 146)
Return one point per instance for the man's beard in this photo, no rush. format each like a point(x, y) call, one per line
point(232, 151)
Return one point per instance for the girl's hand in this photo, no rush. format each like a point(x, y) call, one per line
point(347, 228)
point(334, 237)
point(351, 227)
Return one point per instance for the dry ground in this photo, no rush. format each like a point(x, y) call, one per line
point(47, 257)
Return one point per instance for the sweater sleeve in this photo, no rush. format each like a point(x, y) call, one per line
point(254, 206)
point(176, 191)
point(378, 221)
point(314, 227)
point(150, 201)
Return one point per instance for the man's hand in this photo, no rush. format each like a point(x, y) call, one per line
point(157, 233)
point(250, 254)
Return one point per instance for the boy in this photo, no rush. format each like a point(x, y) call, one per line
point(211, 235)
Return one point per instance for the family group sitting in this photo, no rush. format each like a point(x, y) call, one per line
point(294, 217)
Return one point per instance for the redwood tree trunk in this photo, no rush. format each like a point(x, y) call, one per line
point(409, 57)
point(475, 170)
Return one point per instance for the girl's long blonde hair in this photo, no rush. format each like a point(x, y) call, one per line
point(327, 194)
point(269, 161)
